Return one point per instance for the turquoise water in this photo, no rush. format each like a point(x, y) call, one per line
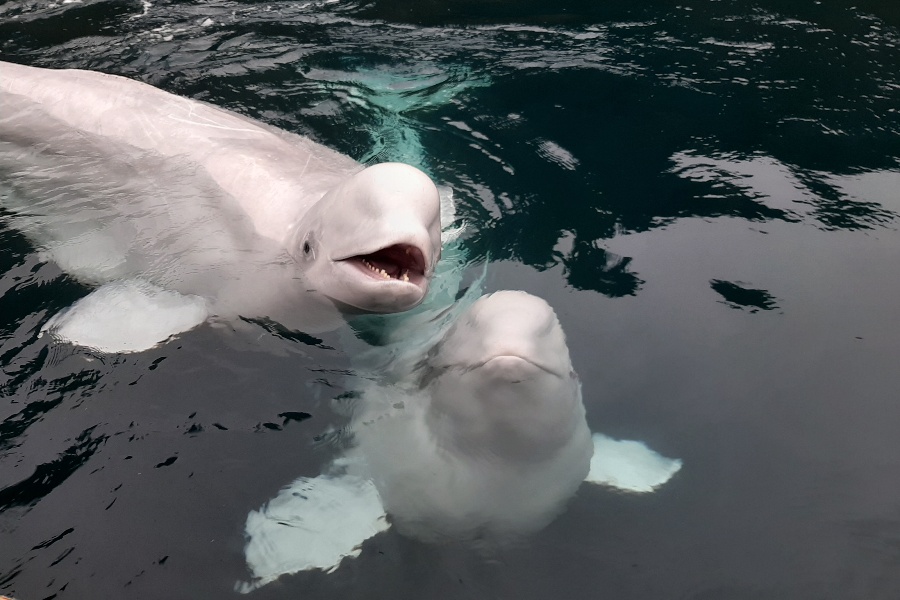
point(708, 195)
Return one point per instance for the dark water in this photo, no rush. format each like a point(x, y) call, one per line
point(707, 193)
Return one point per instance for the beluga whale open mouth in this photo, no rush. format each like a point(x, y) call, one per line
point(401, 262)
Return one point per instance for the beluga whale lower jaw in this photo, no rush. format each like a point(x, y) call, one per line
point(118, 181)
point(484, 439)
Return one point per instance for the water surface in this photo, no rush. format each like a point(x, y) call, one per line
point(707, 193)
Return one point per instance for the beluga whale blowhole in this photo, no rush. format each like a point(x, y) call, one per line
point(484, 439)
point(179, 211)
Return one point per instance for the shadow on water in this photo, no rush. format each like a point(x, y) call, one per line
point(738, 296)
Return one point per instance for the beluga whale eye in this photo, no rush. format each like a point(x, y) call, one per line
point(308, 247)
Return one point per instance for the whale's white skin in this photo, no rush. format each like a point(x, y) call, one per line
point(117, 180)
point(494, 418)
point(486, 438)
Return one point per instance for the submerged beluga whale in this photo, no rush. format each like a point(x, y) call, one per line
point(483, 438)
point(180, 211)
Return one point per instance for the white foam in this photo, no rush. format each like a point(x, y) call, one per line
point(450, 231)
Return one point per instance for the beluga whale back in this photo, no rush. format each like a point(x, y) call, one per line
point(180, 211)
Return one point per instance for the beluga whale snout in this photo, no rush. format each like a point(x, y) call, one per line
point(513, 327)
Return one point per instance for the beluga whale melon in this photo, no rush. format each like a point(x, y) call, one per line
point(179, 211)
point(484, 438)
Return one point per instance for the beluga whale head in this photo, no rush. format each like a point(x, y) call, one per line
point(501, 381)
point(371, 243)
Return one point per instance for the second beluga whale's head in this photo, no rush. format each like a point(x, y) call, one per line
point(371, 242)
point(501, 380)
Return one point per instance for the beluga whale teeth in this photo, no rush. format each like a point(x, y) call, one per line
point(398, 262)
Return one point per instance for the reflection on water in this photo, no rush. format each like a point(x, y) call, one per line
point(705, 193)
point(738, 296)
point(791, 193)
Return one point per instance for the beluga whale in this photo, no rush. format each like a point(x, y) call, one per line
point(483, 439)
point(178, 211)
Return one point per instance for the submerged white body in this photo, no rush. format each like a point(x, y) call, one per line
point(484, 439)
point(118, 180)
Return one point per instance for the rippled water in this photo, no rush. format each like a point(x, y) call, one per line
point(707, 193)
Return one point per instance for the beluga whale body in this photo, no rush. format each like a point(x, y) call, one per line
point(179, 211)
point(484, 439)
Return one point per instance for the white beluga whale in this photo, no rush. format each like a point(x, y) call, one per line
point(484, 439)
point(180, 211)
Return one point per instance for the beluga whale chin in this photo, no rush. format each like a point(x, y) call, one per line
point(486, 439)
point(179, 211)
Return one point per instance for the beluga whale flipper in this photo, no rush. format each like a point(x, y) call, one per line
point(178, 211)
point(486, 438)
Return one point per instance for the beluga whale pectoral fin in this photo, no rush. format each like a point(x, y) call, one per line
point(313, 524)
point(127, 316)
point(629, 465)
